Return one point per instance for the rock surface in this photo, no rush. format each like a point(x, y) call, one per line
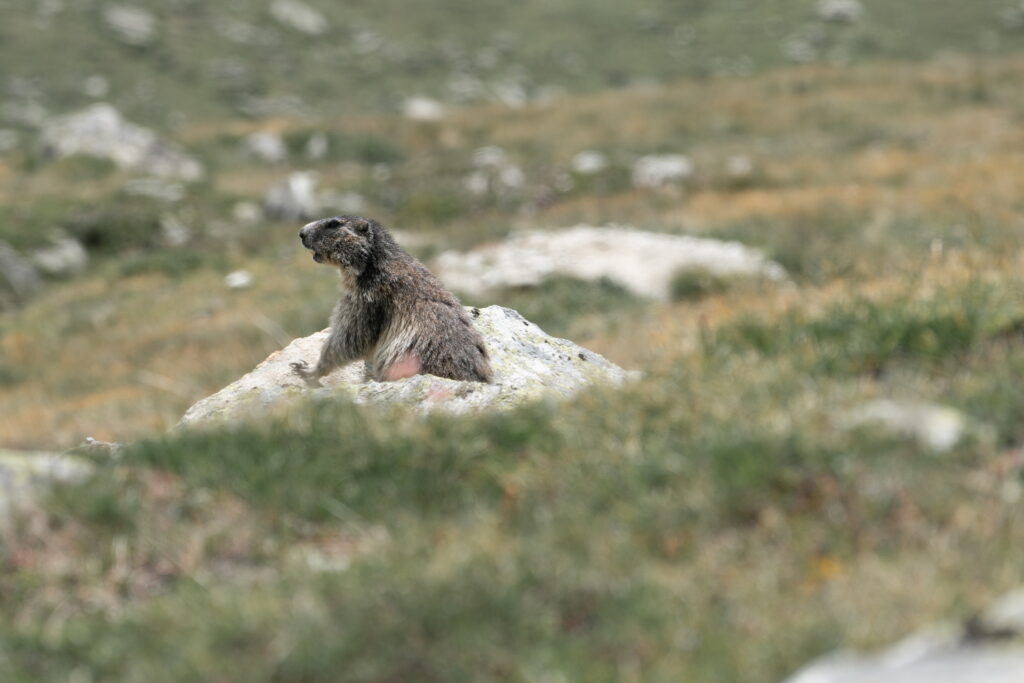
point(24, 473)
point(643, 262)
point(65, 256)
point(661, 170)
point(100, 131)
point(987, 649)
point(528, 364)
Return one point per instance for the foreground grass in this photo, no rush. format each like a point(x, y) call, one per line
point(711, 523)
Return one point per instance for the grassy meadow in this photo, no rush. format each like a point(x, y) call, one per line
point(713, 521)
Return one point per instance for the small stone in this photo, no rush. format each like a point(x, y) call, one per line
point(132, 25)
point(589, 162)
point(317, 146)
point(294, 198)
point(66, 256)
point(937, 427)
point(247, 213)
point(239, 279)
point(299, 16)
point(267, 147)
point(173, 232)
point(96, 86)
point(661, 170)
point(423, 109)
point(840, 11)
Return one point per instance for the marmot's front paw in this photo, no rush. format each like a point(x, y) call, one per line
point(302, 369)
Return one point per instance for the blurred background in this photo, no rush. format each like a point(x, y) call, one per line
point(823, 452)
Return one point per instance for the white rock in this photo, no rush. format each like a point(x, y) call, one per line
point(294, 198)
point(490, 157)
point(589, 162)
point(528, 365)
point(132, 25)
point(96, 86)
point(342, 202)
point(239, 279)
point(247, 213)
point(476, 183)
point(659, 170)
point(173, 232)
point(66, 256)
point(317, 146)
point(643, 262)
point(163, 190)
point(739, 166)
point(299, 16)
point(937, 427)
point(24, 474)
point(268, 147)
point(422, 109)
point(840, 11)
point(100, 131)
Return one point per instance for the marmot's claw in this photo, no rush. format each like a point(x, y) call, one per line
point(300, 367)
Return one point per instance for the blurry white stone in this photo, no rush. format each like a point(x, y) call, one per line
point(239, 279)
point(659, 170)
point(421, 108)
point(100, 131)
point(937, 427)
point(267, 147)
point(66, 256)
point(163, 190)
point(317, 146)
point(476, 183)
point(299, 16)
point(8, 140)
point(246, 212)
point(25, 474)
point(511, 177)
point(643, 262)
point(1005, 615)
point(840, 11)
point(465, 88)
point(173, 232)
point(739, 166)
point(510, 93)
point(132, 25)
point(342, 202)
point(96, 86)
point(799, 50)
point(489, 157)
point(589, 162)
point(294, 198)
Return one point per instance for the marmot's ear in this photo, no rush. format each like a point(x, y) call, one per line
point(361, 226)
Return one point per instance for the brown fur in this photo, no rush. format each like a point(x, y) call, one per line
point(393, 312)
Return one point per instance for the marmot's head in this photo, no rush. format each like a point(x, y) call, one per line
point(343, 241)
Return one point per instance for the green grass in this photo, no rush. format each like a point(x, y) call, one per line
point(624, 534)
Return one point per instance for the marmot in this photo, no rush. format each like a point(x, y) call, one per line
point(393, 312)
